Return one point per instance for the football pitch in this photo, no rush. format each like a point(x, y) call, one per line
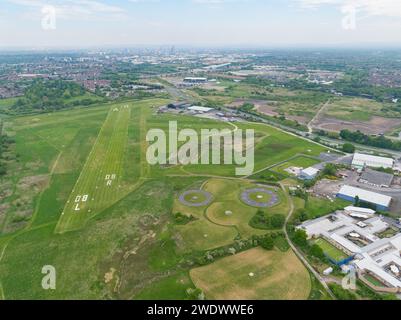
point(99, 184)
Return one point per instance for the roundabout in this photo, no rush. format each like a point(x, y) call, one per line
point(260, 198)
point(196, 198)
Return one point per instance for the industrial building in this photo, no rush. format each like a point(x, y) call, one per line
point(178, 105)
point(376, 178)
point(364, 239)
point(362, 161)
point(308, 173)
point(195, 80)
point(382, 202)
point(199, 109)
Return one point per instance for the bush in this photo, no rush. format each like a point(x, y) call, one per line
point(348, 148)
point(340, 293)
point(317, 252)
point(300, 238)
point(267, 243)
point(267, 222)
point(182, 219)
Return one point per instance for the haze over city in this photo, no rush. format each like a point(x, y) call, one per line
point(89, 23)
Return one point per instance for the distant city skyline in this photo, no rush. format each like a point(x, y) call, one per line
point(263, 23)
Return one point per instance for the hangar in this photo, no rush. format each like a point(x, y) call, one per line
point(361, 161)
point(381, 201)
point(195, 80)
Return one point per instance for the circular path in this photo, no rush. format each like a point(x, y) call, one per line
point(260, 194)
point(196, 198)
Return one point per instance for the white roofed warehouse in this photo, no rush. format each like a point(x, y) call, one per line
point(309, 173)
point(381, 201)
point(200, 109)
point(195, 80)
point(362, 161)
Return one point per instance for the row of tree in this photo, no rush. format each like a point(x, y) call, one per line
point(373, 141)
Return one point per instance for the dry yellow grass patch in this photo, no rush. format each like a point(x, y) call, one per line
point(255, 274)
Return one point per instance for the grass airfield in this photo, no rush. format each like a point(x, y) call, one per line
point(99, 184)
point(129, 226)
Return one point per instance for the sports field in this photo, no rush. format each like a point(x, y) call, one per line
point(99, 184)
point(255, 274)
point(330, 250)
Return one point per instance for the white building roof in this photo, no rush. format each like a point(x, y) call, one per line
point(345, 243)
point(362, 160)
point(310, 171)
point(199, 109)
point(375, 257)
point(369, 264)
point(368, 196)
point(195, 79)
point(359, 210)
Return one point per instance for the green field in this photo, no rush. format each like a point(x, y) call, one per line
point(330, 250)
point(299, 162)
point(318, 207)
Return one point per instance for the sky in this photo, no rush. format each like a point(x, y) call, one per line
point(253, 23)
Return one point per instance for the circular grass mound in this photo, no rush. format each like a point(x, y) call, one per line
point(260, 198)
point(196, 198)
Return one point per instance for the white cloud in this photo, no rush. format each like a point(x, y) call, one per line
point(387, 8)
point(73, 9)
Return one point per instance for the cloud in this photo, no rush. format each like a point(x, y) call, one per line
point(386, 8)
point(73, 9)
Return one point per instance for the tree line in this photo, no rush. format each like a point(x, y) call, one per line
point(51, 95)
point(373, 141)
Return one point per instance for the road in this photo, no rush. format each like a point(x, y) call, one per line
point(316, 117)
point(298, 253)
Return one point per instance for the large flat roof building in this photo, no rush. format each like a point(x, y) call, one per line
point(195, 80)
point(200, 109)
point(381, 201)
point(361, 161)
point(362, 239)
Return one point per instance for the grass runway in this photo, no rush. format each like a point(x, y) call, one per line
point(98, 185)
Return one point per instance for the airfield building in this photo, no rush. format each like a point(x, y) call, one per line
point(362, 161)
point(309, 173)
point(195, 80)
point(382, 202)
point(199, 109)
